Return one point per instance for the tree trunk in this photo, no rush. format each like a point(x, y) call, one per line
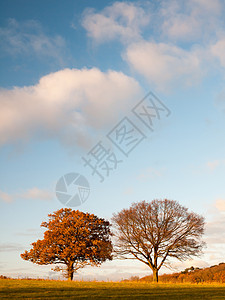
point(70, 271)
point(155, 275)
point(71, 275)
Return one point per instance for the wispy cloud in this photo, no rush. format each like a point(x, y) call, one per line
point(5, 197)
point(31, 194)
point(212, 165)
point(220, 205)
point(172, 19)
point(129, 191)
point(28, 37)
point(10, 247)
point(218, 50)
point(180, 266)
point(215, 230)
point(174, 53)
point(36, 193)
point(151, 173)
point(30, 232)
point(190, 21)
point(214, 233)
point(123, 20)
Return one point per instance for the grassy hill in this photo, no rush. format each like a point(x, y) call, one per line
point(194, 275)
point(192, 283)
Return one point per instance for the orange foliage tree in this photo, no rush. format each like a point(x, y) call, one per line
point(73, 239)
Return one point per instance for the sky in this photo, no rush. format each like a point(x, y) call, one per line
point(74, 75)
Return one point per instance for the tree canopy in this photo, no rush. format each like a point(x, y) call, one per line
point(154, 231)
point(73, 239)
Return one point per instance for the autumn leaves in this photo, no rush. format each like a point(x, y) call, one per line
point(151, 232)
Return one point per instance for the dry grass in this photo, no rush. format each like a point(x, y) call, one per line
point(53, 289)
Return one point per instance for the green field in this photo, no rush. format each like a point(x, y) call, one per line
point(47, 289)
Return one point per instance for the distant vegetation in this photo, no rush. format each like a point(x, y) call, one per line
point(213, 274)
point(190, 275)
point(4, 277)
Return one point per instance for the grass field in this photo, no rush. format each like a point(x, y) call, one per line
point(47, 289)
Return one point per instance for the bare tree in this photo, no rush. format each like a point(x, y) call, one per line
point(152, 232)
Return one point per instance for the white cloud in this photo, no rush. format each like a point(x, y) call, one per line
point(10, 247)
point(182, 265)
point(218, 50)
point(192, 33)
point(19, 38)
point(220, 205)
point(31, 194)
point(213, 7)
point(5, 197)
point(122, 20)
point(129, 191)
point(38, 194)
point(174, 20)
point(151, 173)
point(162, 64)
point(65, 105)
point(212, 165)
point(192, 20)
point(214, 232)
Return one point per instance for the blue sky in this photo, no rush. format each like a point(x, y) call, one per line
point(69, 73)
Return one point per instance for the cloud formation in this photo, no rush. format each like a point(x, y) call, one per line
point(11, 247)
point(123, 20)
point(190, 21)
point(38, 194)
point(31, 194)
point(185, 40)
point(5, 197)
point(212, 165)
point(176, 20)
point(218, 50)
point(28, 37)
point(151, 173)
point(220, 205)
point(214, 233)
point(64, 105)
point(162, 64)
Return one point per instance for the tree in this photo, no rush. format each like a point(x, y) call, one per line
point(73, 239)
point(152, 232)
